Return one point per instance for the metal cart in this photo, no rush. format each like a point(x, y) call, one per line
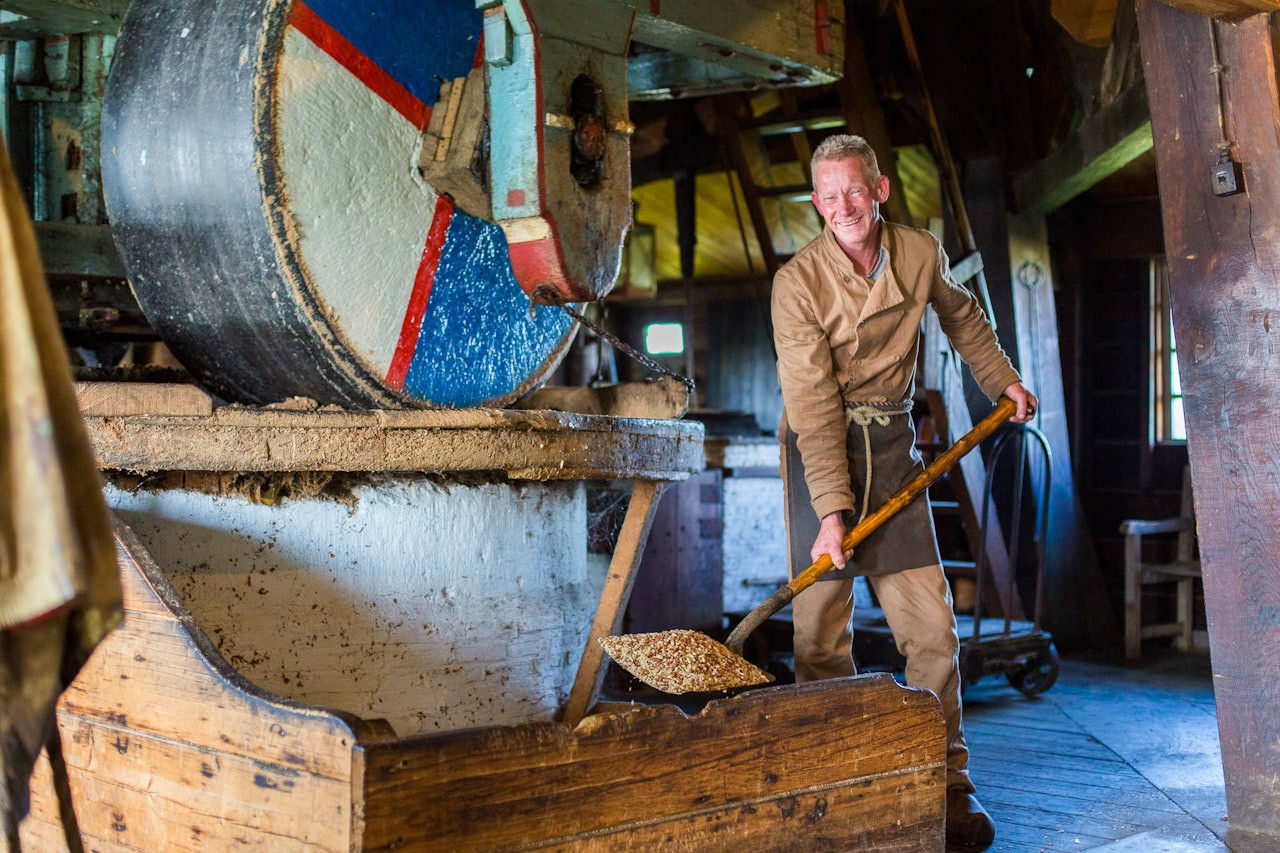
point(1021, 650)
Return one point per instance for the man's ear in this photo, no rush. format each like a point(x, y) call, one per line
point(882, 189)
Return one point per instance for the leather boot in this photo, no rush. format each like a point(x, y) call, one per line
point(968, 824)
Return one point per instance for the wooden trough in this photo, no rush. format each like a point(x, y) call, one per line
point(169, 748)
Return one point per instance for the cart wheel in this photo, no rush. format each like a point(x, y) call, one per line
point(1038, 675)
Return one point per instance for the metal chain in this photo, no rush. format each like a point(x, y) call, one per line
point(546, 295)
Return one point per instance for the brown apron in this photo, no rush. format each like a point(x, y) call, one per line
point(905, 541)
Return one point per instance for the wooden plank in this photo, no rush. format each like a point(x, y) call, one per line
point(663, 398)
point(169, 748)
point(837, 759)
point(78, 250)
point(1086, 21)
point(1227, 10)
point(116, 399)
point(1109, 140)
point(613, 598)
point(538, 445)
point(1085, 797)
point(1073, 582)
point(59, 17)
point(778, 39)
point(1224, 273)
point(162, 794)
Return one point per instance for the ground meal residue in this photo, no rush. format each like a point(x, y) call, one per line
point(682, 661)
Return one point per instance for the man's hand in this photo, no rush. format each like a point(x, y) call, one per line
point(830, 534)
point(1027, 403)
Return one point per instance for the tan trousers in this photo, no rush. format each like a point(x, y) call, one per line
point(917, 606)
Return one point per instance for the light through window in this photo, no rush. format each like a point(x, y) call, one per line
point(664, 339)
point(1167, 419)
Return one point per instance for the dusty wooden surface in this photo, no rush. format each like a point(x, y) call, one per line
point(168, 748)
point(848, 764)
point(1224, 273)
point(535, 445)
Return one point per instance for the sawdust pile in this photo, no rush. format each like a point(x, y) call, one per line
point(682, 661)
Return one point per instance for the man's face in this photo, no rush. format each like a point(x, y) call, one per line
point(848, 201)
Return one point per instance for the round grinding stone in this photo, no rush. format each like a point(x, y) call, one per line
point(261, 173)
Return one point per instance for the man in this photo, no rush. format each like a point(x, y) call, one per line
point(846, 312)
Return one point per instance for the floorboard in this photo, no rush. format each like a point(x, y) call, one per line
point(1110, 758)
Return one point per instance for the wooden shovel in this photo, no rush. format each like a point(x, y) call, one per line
point(687, 661)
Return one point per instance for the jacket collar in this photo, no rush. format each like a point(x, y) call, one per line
point(886, 292)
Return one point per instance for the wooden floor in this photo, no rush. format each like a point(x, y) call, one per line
point(1110, 758)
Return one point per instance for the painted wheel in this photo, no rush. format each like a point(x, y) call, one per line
point(260, 168)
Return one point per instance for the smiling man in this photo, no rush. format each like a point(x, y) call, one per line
point(846, 312)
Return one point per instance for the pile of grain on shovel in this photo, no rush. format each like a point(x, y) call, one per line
point(682, 661)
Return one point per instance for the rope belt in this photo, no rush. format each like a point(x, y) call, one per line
point(863, 414)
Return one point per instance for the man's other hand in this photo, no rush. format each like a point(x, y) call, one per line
point(1027, 403)
point(830, 535)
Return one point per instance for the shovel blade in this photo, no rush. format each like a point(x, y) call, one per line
point(682, 661)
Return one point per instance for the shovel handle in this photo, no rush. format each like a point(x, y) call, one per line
point(1004, 410)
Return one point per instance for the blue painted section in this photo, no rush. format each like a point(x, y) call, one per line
point(513, 94)
point(477, 340)
point(417, 42)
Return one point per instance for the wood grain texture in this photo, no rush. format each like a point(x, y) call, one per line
point(107, 399)
point(1224, 272)
point(536, 445)
point(614, 596)
point(857, 760)
point(1227, 10)
point(168, 748)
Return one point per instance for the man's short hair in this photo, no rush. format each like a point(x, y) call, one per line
point(842, 146)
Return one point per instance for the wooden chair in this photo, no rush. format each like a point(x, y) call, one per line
point(1183, 570)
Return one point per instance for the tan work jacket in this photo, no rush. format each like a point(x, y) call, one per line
point(843, 339)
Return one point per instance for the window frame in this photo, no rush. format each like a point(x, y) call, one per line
point(1166, 425)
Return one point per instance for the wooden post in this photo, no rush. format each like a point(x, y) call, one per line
point(1073, 583)
point(613, 598)
point(1224, 272)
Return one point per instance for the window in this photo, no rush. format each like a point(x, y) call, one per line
point(1167, 421)
point(664, 339)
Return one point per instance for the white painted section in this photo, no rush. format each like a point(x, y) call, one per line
point(755, 540)
point(353, 188)
point(433, 608)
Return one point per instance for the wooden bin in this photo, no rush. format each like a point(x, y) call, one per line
point(169, 748)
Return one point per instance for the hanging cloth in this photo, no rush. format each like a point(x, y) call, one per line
point(59, 580)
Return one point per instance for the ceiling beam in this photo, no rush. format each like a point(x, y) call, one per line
point(1087, 21)
point(1227, 10)
point(1107, 142)
point(25, 19)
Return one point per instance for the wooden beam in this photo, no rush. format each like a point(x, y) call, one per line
point(1227, 10)
point(80, 250)
point(1087, 21)
point(613, 598)
point(1224, 281)
point(865, 117)
point(1074, 592)
point(1111, 139)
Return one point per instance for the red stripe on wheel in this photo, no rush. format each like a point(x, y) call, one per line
point(349, 57)
point(421, 295)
